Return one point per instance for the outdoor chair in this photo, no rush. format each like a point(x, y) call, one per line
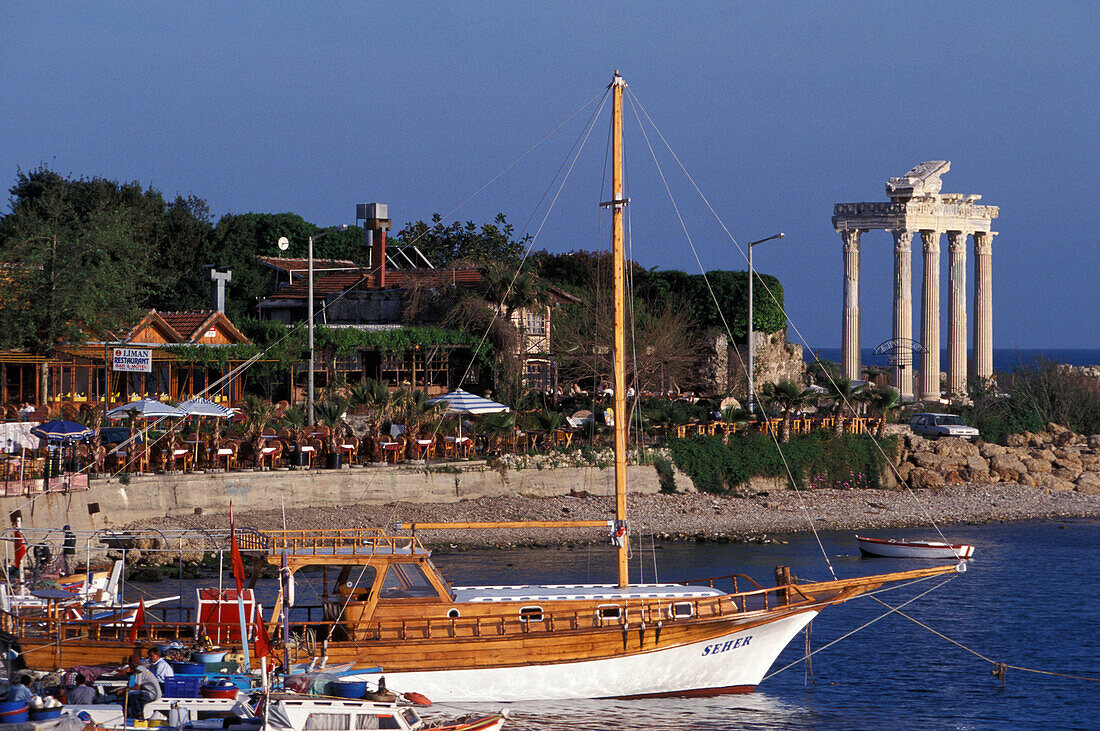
point(227, 452)
point(270, 453)
point(348, 448)
point(393, 451)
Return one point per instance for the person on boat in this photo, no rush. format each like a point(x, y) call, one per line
point(21, 691)
point(68, 550)
point(82, 694)
point(145, 689)
point(159, 667)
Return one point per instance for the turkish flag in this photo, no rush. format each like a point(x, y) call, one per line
point(139, 621)
point(263, 640)
point(20, 548)
point(235, 554)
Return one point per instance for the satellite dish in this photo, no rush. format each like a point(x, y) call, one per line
point(284, 243)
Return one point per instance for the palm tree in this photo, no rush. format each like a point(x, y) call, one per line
point(844, 393)
point(294, 419)
point(258, 413)
point(498, 427)
point(786, 396)
point(331, 413)
point(883, 400)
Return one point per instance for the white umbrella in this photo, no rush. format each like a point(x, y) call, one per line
point(466, 403)
point(146, 408)
point(205, 407)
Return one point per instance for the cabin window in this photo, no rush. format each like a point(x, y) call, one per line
point(681, 610)
point(355, 582)
point(609, 611)
point(371, 721)
point(530, 614)
point(407, 580)
point(453, 614)
point(328, 722)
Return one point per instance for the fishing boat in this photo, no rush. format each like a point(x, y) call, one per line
point(384, 603)
point(902, 548)
point(286, 711)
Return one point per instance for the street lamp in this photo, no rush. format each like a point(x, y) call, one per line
point(752, 340)
point(309, 314)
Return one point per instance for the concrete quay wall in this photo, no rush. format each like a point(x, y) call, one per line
point(155, 496)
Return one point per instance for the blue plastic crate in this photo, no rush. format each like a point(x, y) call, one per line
point(182, 686)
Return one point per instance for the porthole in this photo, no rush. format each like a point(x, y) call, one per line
point(609, 612)
point(681, 610)
point(453, 614)
point(530, 614)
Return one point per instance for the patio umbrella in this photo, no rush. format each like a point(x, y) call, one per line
point(205, 407)
point(466, 403)
point(146, 408)
point(61, 431)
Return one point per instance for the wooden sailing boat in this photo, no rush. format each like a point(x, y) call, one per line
point(389, 606)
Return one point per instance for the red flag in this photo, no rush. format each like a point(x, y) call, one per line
point(20, 548)
point(263, 640)
point(235, 554)
point(139, 621)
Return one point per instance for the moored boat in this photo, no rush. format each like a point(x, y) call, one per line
point(901, 548)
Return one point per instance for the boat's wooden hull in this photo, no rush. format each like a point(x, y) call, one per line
point(726, 645)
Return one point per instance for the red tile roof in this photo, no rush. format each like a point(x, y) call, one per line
point(299, 265)
point(186, 323)
point(329, 283)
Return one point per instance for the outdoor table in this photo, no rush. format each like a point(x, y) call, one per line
point(389, 448)
point(223, 452)
point(194, 448)
point(457, 443)
point(309, 450)
point(180, 453)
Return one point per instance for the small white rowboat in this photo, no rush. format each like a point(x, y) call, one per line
point(913, 549)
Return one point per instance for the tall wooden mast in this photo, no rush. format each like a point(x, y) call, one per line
point(618, 203)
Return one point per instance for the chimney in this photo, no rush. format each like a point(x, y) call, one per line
point(376, 223)
point(218, 279)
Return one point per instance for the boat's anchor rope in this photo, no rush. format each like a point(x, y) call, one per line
point(1000, 669)
point(846, 635)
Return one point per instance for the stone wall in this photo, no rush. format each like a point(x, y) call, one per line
point(1055, 460)
point(774, 359)
point(184, 494)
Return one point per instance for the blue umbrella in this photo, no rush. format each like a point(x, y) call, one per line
point(61, 431)
point(467, 403)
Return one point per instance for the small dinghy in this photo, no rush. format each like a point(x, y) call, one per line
point(892, 548)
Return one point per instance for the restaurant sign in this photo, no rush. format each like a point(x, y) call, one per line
point(135, 360)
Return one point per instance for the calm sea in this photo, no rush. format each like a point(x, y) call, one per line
point(1004, 359)
point(1030, 598)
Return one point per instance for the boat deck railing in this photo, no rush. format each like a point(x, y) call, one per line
point(365, 542)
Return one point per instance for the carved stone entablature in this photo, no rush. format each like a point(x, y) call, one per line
point(914, 215)
point(921, 181)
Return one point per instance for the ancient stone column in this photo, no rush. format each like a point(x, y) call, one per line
point(902, 376)
point(849, 337)
point(983, 304)
point(956, 314)
point(930, 318)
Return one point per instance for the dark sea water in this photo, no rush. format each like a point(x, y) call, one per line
point(1030, 598)
point(1004, 359)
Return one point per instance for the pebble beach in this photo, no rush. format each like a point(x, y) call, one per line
point(687, 516)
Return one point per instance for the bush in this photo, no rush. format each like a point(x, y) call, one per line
point(818, 459)
point(1031, 397)
point(665, 476)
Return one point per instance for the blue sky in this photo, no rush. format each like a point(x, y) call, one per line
point(778, 111)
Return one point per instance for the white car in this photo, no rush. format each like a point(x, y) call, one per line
point(935, 426)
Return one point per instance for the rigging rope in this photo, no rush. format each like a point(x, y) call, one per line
point(801, 337)
point(691, 243)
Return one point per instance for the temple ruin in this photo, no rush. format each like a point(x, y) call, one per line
point(917, 207)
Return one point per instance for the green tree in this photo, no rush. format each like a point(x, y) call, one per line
point(75, 254)
point(445, 245)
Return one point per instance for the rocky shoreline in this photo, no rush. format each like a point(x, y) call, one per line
point(690, 516)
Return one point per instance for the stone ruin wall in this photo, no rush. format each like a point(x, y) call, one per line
point(775, 359)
